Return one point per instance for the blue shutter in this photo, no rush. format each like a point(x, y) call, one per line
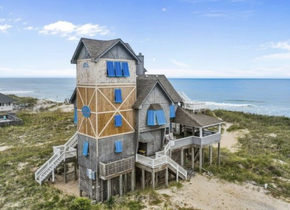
point(118, 120)
point(118, 146)
point(86, 148)
point(118, 96)
point(110, 69)
point(125, 68)
point(118, 69)
point(161, 120)
point(172, 111)
point(76, 116)
point(151, 118)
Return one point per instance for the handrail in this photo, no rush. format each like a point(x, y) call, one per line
point(60, 153)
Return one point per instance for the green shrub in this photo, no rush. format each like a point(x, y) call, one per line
point(81, 204)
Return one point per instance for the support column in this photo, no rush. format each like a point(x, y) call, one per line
point(76, 171)
point(182, 157)
point(210, 155)
point(81, 193)
point(121, 184)
point(177, 170)
point(126, 182)
point(153, 179)
point(156, 179)
point(143, 179)
point(219, 153)
point(200, 159)
point(133, 179)
point(65, 172)
point(166, 177)
point(109, 189)
point(52, 174)
point(192, 157)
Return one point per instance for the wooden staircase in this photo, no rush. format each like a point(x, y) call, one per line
point(60, 154)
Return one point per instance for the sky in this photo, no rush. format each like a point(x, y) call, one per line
point(179, 38)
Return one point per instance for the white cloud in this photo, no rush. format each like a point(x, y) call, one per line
point(177, 63)
point(3, 28)
point(145, 40)
point(18, 19)
point(73, 32)
point(276, 56)
point(1, 8)
point(30, 28)
point(2, 20)
point(164, 9)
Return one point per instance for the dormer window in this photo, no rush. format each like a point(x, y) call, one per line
point(155, 115)
point(85, 65)
point(117, 69)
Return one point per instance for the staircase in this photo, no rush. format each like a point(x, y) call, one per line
point(60, 153)
point(163, 158)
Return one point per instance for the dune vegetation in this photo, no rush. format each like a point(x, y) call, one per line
point(263, 158)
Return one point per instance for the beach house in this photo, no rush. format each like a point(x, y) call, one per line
point(132, 128)
point(6, 103)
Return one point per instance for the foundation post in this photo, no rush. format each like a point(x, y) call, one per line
point(182, 157)
point(65, 172)
point(153, 179)
point(219, 153)
point(126, 182)
point(133, 180)
point(192, 157)
point(143, 179)
point(75, 168)
point(210, 155)
point(52, 176)
point(109, 188)
point(166, 177)
point(121, 184)
point(200, 159)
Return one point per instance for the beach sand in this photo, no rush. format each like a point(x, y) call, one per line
point(209, 193)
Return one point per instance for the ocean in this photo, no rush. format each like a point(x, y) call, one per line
point(259, 96)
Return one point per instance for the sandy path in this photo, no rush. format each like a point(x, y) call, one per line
point(204, 193)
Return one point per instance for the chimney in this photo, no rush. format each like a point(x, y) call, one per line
point(140, 66)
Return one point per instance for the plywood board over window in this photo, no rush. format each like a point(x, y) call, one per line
point(87, 124)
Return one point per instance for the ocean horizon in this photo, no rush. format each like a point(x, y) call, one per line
point(251, 95)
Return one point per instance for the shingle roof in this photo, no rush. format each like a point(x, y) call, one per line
point(6, 99)
point(97, 48)
point(185, 117)
point(145, 84)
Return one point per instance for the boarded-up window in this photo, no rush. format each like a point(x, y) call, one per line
point(118, 96)
point(161, 120)
point(110, 69)
point(86, 148)
point(118, 146)
point(172, 111)
point(125, 68)
point(118, 120)
point(118, 69)
point(151, 120)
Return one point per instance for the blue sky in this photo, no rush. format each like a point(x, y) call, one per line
point(179, 38)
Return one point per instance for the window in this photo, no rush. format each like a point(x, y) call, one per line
point(118, 96)
point(155, 117)
point(172, 111)
point(85, 65)
point(118, 147)
point(91, 174)
point(118, 120)
point(160, 117)
point(125, 68)
point(110, 69)
point(151, 118)
point(86, 148)
point(117, 69)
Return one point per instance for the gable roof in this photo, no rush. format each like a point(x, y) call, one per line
point(145, 83)
point(6, 99)
point(97, 48)
point(185, 117)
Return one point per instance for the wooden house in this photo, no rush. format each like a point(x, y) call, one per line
point(131, 127)
point(6, 103)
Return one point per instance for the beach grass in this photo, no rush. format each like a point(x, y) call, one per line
point(262, 158)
